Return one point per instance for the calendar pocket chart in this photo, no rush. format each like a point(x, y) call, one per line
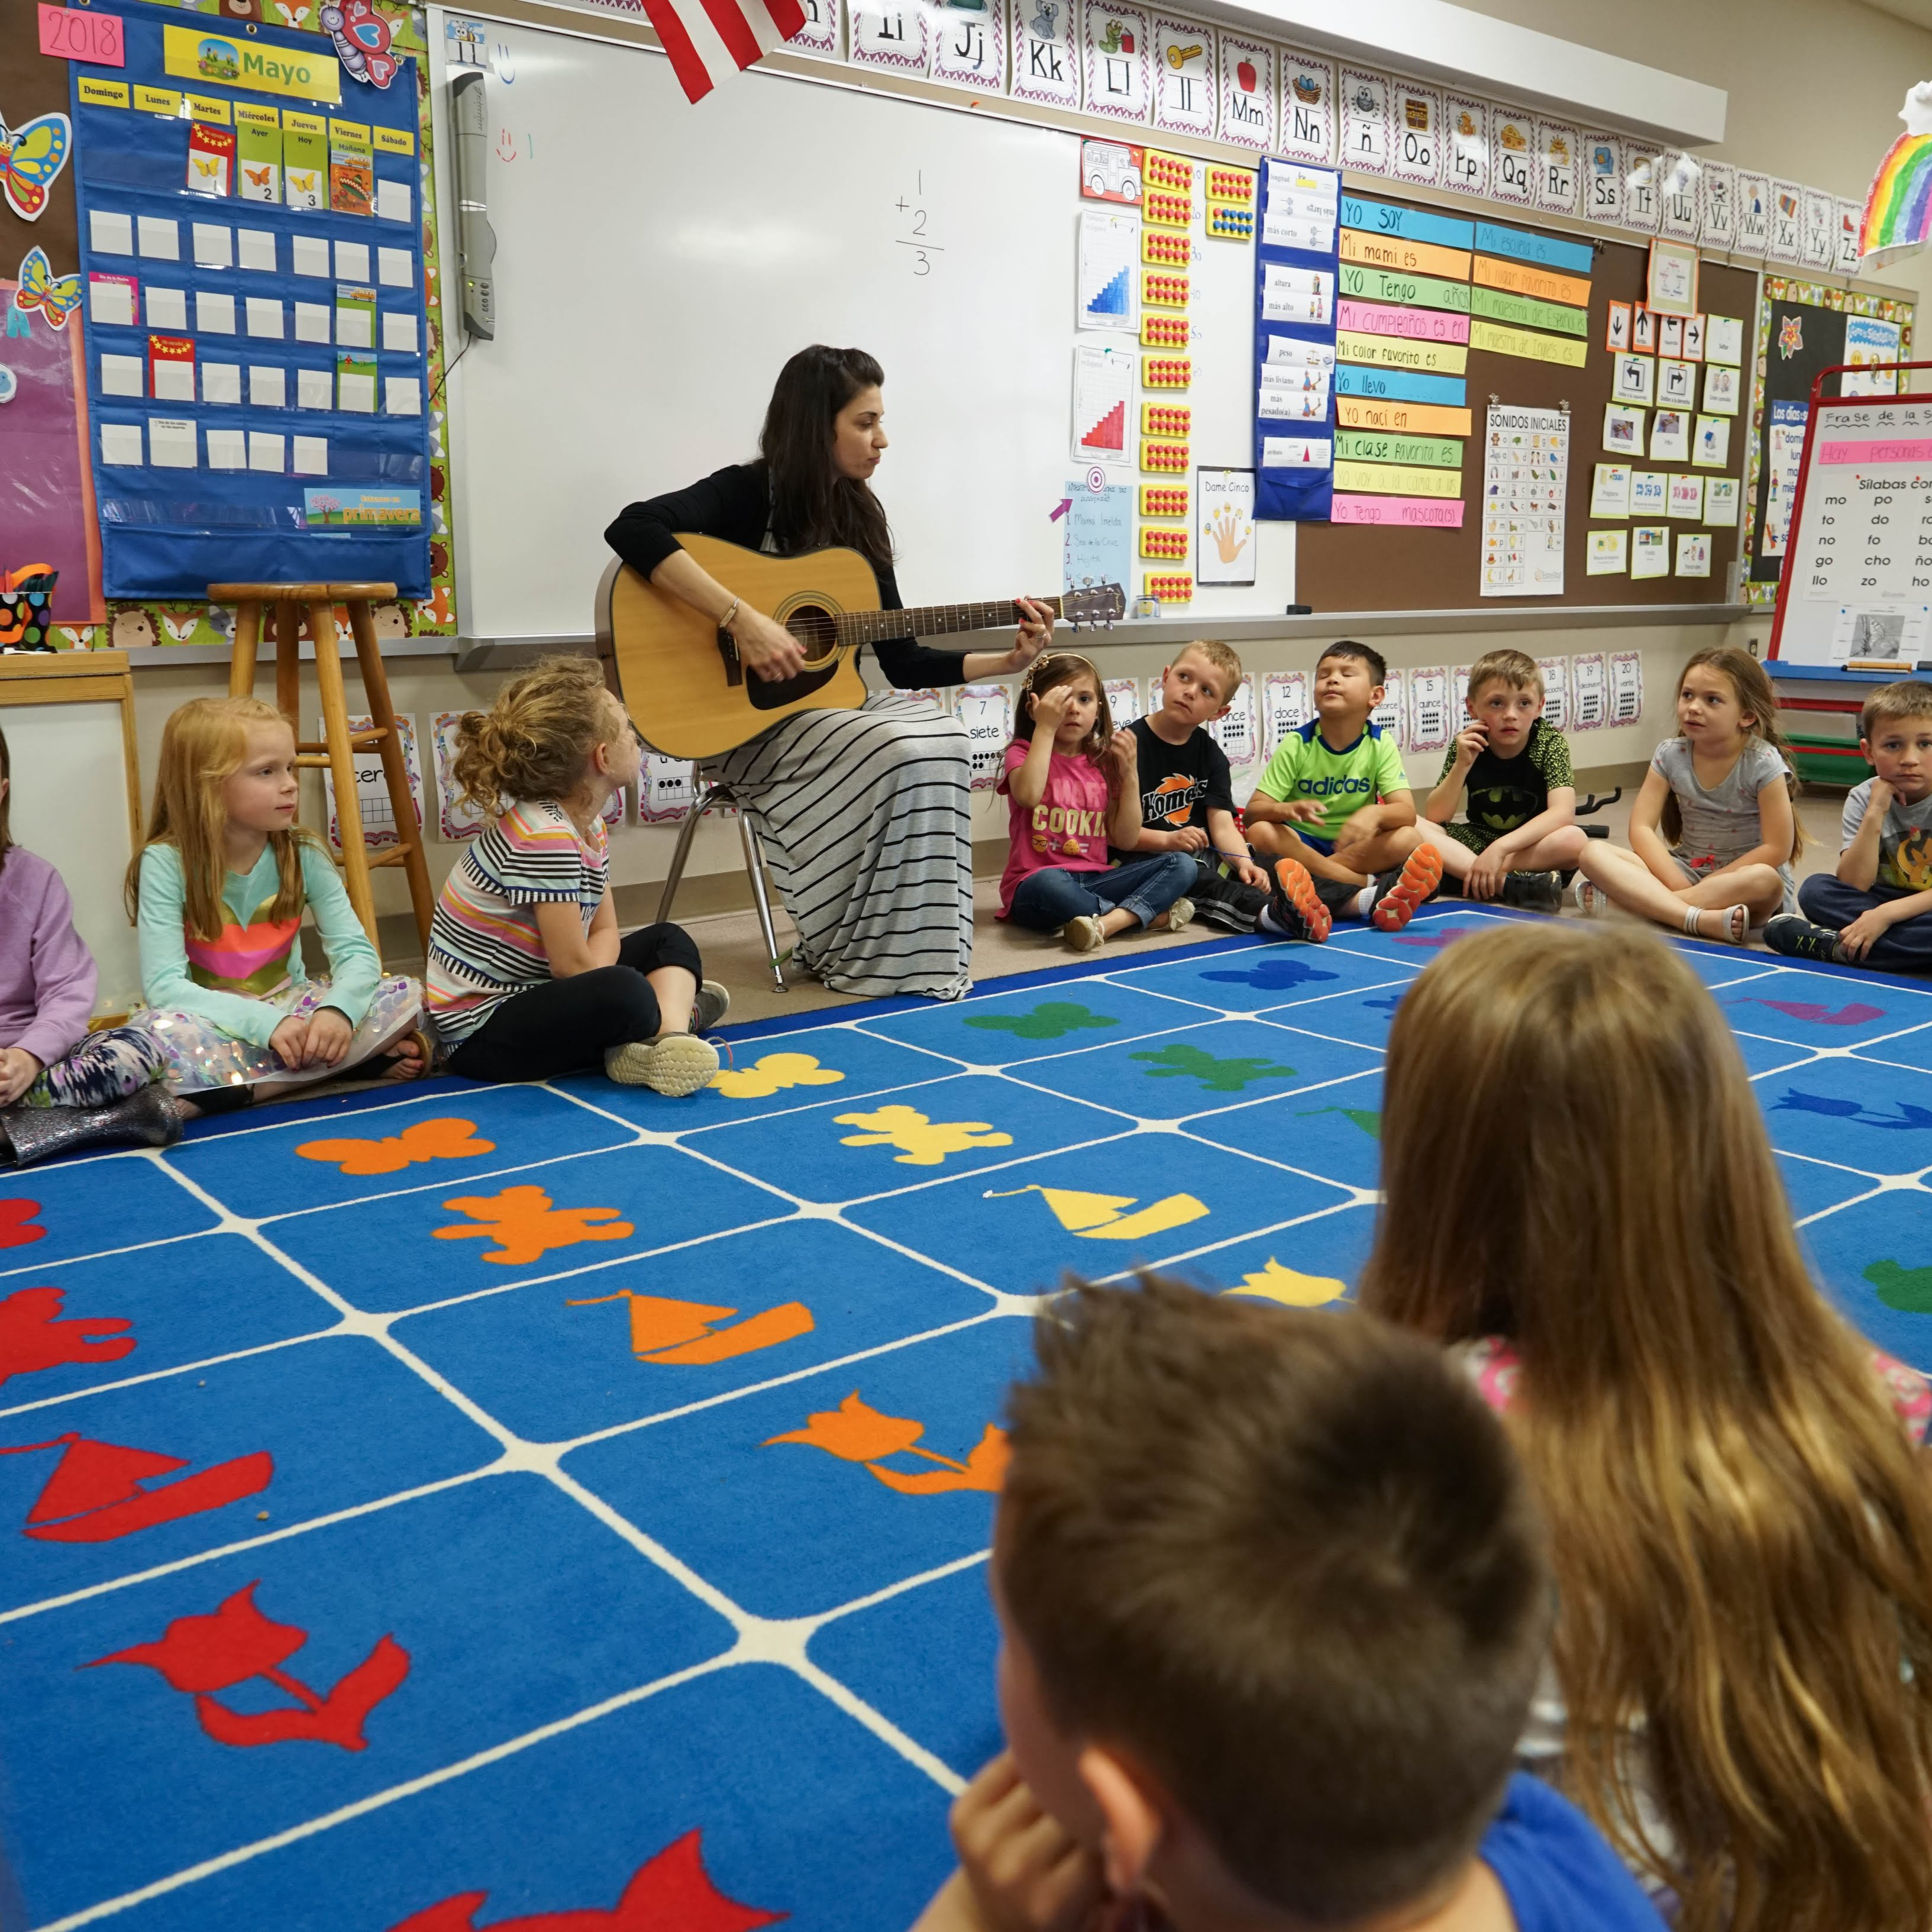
point(251, 231)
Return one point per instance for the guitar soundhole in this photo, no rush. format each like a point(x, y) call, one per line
point(815, 631)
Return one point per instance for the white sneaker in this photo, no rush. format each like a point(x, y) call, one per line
point(674, 1064)
point(1084, 935)
point(1180, 915)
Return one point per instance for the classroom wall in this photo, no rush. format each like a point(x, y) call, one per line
point(1814, 92)
point(1815, 88)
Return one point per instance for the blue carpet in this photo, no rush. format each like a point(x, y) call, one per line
point(472, 1507)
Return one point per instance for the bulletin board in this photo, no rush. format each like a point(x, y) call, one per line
point(1381, 567)
point(250, 236)
point(1805, 327)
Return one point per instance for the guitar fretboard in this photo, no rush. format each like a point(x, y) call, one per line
point(931, 620)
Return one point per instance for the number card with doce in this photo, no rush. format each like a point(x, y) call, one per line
point(691, 695)
point(1856, 588)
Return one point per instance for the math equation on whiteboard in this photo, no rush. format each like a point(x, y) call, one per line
point(913, 232)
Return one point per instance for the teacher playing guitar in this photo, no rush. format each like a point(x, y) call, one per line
point(864, 813)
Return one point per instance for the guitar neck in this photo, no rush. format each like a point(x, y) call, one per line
point(931, 620)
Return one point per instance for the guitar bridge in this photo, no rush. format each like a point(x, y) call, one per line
point(734, 665)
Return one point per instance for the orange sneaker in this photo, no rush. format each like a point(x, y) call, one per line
point(1295, 909)
point(1397, 900)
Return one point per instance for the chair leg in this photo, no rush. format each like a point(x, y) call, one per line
point(686, 833)
point(342, 768)
point(395, 765)
point(761, 896)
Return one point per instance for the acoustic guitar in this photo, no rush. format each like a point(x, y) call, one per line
point(691, 695)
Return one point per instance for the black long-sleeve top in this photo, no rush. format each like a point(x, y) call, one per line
point(734, 505)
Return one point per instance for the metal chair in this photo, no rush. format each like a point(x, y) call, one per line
point(754, 871)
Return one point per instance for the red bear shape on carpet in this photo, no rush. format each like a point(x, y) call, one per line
point(670, 1892)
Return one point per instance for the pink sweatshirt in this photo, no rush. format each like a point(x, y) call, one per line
point(46, 973)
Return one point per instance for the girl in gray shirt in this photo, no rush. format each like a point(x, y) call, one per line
point(1713, 833)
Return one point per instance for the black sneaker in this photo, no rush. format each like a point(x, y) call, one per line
point(1221, 899)
point(1534, 892)
point(1794, 935)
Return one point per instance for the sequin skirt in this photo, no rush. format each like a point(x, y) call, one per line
point(200, 1055)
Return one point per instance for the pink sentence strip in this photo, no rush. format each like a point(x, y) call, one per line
point(1419, 325)
point(1417, 511)
point(1919, 451)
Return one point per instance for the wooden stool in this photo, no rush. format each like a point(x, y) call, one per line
point(339, 744)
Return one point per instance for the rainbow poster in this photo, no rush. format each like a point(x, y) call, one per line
point(1898, 205)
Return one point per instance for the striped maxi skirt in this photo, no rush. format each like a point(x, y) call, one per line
point(866, 820)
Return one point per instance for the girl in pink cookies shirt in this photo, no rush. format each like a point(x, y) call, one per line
point(1071, 785)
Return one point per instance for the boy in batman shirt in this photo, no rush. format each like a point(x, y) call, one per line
point(1513, 766)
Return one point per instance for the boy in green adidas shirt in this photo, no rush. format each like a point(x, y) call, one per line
point(1333, 819)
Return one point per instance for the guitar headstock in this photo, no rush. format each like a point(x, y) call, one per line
point(1093, 604)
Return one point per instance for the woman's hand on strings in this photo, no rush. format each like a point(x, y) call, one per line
point(1035, 634)
point(768, 649)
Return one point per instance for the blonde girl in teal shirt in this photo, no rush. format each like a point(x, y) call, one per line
point(218, 892)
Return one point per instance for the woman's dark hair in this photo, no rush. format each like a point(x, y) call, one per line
point(813, 506)
point(6, 799)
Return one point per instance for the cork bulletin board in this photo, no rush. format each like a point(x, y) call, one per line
point(1390, 567)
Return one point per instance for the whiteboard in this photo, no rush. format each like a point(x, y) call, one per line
point(1859, 583)
point(656, 263)
point(69, 803)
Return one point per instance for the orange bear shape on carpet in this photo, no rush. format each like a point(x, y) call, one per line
point(526, 1226)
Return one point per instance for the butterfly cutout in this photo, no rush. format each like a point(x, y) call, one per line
point(361, 37)
point(56, 297)
point(261, 177)
point(30, 159)
point(207, 166)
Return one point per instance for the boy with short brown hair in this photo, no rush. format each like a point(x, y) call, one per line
point(1333, 817)
point(1513, 766)
point(1274, 1600)
point(1187, 801)
point(1872, 911)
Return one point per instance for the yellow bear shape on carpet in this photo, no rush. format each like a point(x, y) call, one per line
point(923, 1142)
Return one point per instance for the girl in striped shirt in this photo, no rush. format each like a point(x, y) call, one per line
point(528, 977)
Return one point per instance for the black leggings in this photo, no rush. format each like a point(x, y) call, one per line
point(564, 1025)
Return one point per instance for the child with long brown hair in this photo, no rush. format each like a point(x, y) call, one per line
point(218, 892)
point(62, 1086)
point(1740, 1522)
point(529, 977)
point(1073, 787)
point(1713, 833)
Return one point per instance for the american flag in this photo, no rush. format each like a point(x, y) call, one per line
point(708, 40)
